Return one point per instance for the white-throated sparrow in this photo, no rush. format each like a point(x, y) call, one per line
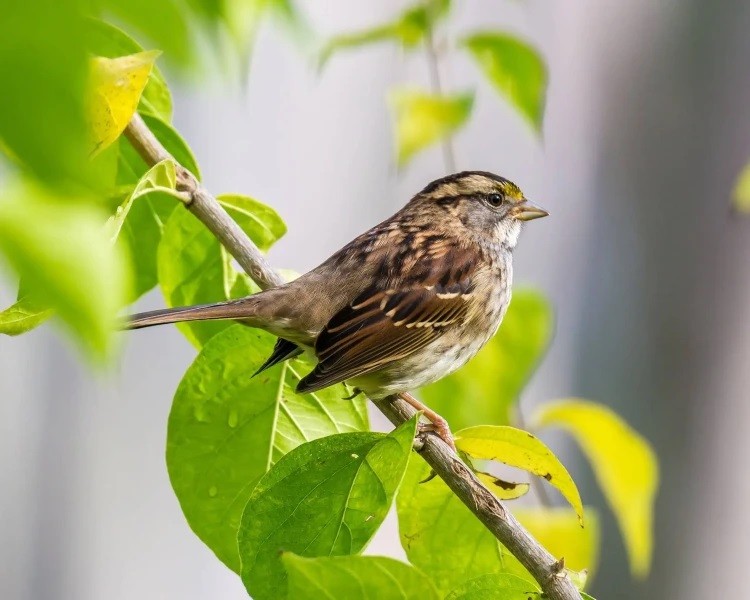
point(402, 305)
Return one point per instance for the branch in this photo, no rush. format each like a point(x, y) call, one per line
point(548, 572)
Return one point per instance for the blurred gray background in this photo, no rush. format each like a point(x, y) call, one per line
point(647, 125)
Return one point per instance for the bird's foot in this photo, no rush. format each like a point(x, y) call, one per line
point(437, 423)
point(355, 392)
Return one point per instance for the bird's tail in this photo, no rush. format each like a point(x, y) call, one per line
point(245, 308)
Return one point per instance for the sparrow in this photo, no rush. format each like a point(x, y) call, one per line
point(404, 304)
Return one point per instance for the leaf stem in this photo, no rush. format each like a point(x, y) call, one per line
point(547, 571)
point(433, 63)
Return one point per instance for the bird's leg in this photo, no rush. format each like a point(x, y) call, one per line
point(437, 423)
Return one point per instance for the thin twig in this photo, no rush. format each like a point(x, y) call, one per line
point(449, 155)
point(547, 571)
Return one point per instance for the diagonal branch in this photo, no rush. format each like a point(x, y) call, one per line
point(548, 572)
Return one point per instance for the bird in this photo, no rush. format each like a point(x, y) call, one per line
point(404, 304)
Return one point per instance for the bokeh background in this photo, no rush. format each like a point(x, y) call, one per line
point(646, 128)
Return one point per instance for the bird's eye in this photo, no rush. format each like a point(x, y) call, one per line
point(495, 199)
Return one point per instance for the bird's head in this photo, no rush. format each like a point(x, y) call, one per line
point(490, 206)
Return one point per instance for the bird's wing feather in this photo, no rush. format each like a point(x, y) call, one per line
point(381, 327)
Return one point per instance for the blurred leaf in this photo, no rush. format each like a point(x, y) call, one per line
point(327, 497)
point(191, 265)
point(66, 261)
point(422, 119)
point(361, 577)
point(408, 29)
point(103, 39)
point(741, 195)
point(560, 532)
point(165, 24)
point(497, 586)
point(625, 467)
point(490, 384)
point(505, 490)
point(515, 69)
point(43, 71)
point(522, 450)
point(23, 316)
point(116, 87)
point(227, 428)
point(131, 165)
point(440, 535)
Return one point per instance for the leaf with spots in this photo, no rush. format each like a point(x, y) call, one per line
point(227, 428)
point(116, 88)
point(327, 497)
point(520, 449)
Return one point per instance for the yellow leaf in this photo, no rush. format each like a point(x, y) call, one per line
point(522, 450)
point(624, 464)
point(505, 490)
point(741, 194)
point(557, 529)
point(423, 119)
point(116, 85)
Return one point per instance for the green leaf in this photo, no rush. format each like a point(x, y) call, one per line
point(23, 316)
point(498, 586)
point(159, 178)
point(522, 450)
point(43, 70)
point(625, 467)
point(227, 428)
point(560, 532)
point(490, 384)
point(440, 535)
point(421, 119)
point(515, 69)
point(741, 194)
point(103, 39)
point(361, 577)
point(131, 165)
point(61, 252)
point(409, 29)
point(139, 221)
point(325, 498)
point(192, 267)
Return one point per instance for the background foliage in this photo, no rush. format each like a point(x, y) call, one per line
point(255, 467)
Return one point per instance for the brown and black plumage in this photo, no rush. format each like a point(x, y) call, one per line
point(402, 305)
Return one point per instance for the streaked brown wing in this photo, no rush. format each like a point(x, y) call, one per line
point(382, 327)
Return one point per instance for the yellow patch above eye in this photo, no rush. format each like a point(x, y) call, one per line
point(512, 191)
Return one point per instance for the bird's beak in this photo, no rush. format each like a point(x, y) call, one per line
point(527, 210)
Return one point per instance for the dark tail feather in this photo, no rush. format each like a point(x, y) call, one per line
point(233, 309)
point(283, 350)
